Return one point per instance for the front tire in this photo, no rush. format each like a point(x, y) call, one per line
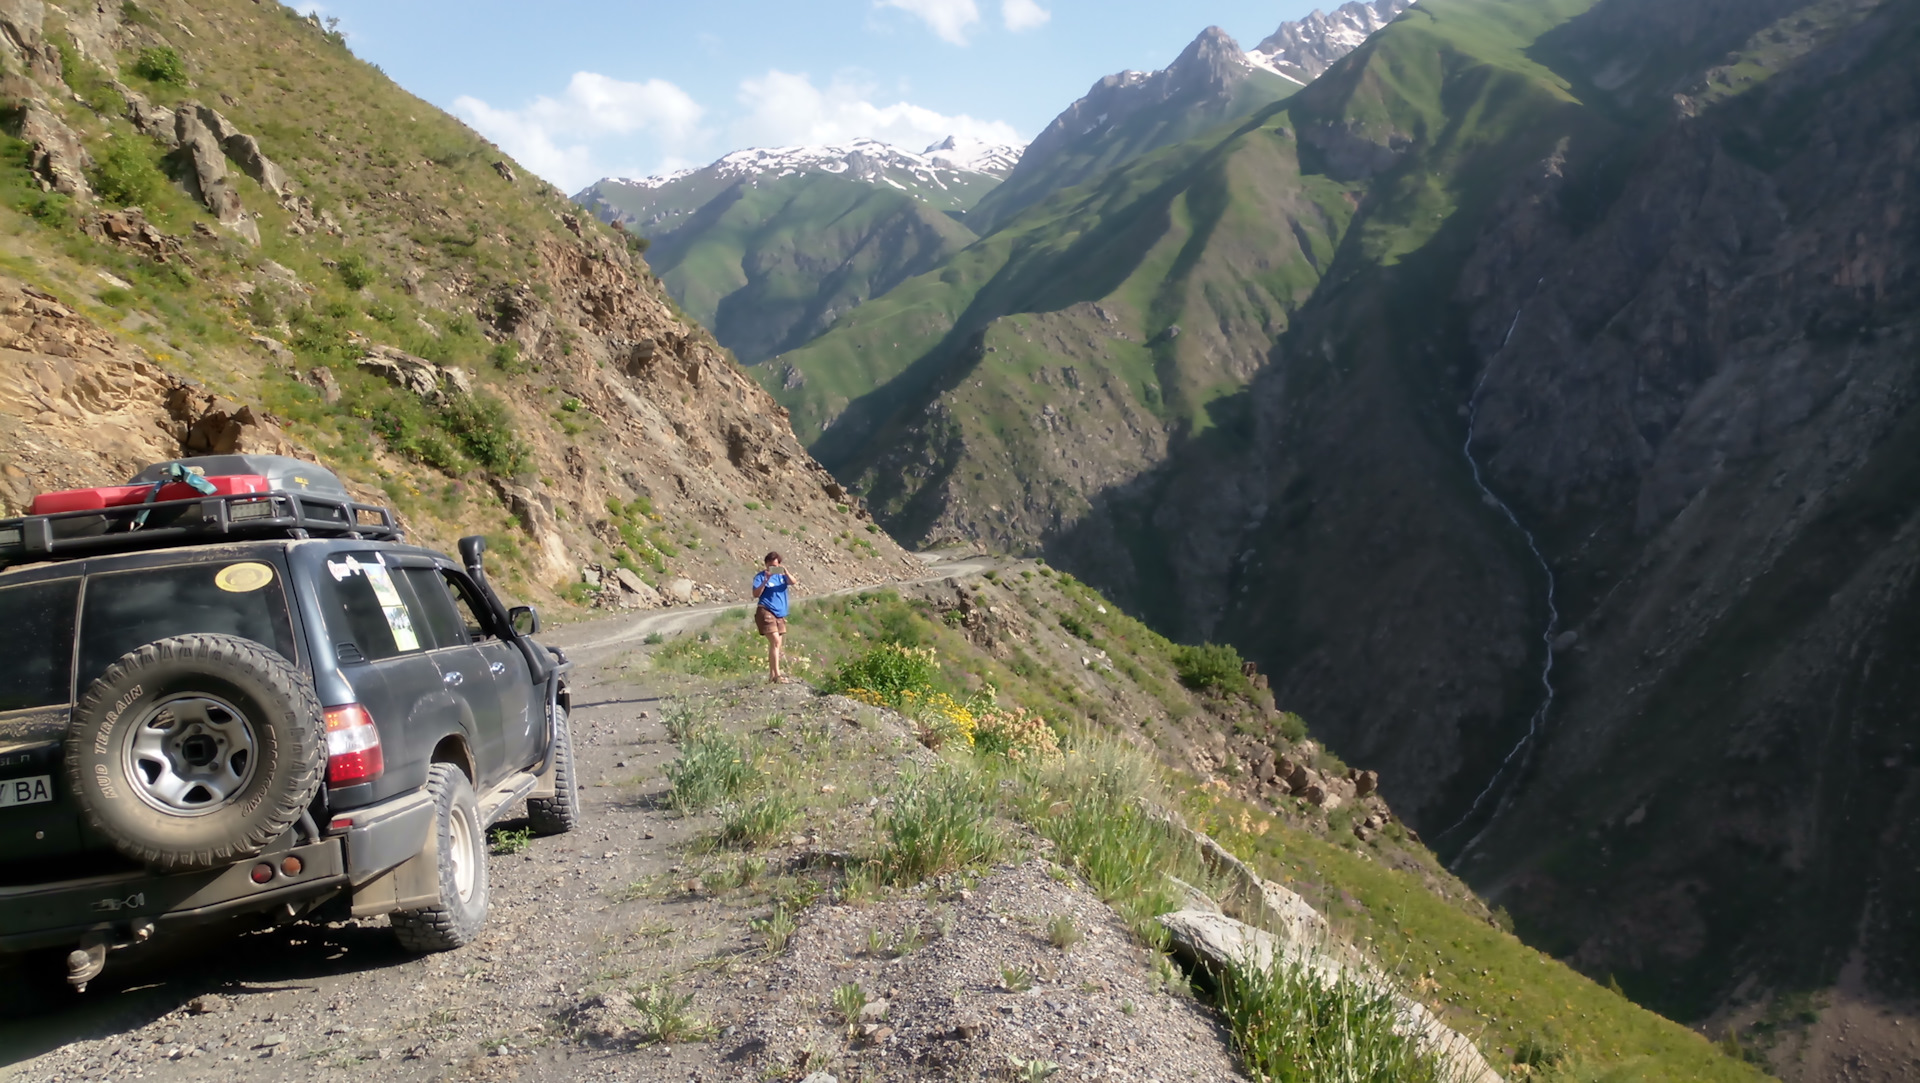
point(560, 813)
point(460, 850)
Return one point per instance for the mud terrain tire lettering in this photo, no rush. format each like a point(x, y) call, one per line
point(286, 750)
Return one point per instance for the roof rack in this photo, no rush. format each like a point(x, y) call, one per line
point(197, 520)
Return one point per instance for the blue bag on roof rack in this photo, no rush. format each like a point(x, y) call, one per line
point(210, 498)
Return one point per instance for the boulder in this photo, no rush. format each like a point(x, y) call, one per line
point(1364, 782)
point(416, 374)
point(329, 386)
point(55, 154)
point(505, 171)
point(245, 150)
point(644, 596)
point(129, 228)
point(681, 590)
point(156, 122)
point(205, 166)
point(550, 558)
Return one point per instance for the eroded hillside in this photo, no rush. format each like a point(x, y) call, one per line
point(223, 231)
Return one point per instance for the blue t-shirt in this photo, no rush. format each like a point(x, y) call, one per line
point(774, 597)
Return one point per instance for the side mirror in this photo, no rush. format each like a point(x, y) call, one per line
point(525, 620)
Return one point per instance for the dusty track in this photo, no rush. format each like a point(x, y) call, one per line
point(337, 1001)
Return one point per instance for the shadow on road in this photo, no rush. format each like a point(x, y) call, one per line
point(144, 984)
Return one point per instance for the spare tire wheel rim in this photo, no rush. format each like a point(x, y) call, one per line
point(462, 854)
point(191, 754)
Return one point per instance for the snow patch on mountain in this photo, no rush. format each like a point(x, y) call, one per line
point(1301, 50)
point(866, 159)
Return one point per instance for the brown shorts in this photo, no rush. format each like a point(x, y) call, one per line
point(768, 624)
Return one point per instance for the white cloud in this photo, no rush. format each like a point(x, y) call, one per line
point(555, 137)
point(784, 109)
point(1023, 15)
point(947, 18)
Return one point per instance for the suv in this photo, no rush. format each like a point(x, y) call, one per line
point(229, 689)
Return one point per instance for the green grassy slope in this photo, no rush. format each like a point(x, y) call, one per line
point(1438, 940)
point(767, 266)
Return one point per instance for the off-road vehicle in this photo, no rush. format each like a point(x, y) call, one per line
point(227, 688)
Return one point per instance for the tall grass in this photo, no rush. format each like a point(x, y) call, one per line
point(1096, 805)
point(713, 768)
point(1294, 1024)
point(939, 821)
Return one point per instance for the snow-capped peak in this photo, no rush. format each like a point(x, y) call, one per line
point(978, 155)
point(869, 159)
point(1301, 50)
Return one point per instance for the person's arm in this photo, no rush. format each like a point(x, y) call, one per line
point(759, 583)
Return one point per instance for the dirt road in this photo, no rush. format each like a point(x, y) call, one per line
point(337, 1001)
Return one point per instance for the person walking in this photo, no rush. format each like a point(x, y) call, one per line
point(770, 589)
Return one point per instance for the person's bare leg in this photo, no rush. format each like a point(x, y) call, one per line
point(773, 656)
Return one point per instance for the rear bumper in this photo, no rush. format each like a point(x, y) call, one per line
point(125, 908)
point(131, 907)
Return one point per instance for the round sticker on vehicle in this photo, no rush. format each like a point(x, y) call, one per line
point(243, 578)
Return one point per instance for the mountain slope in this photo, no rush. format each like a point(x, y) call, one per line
point(1129, 114)
point(767, 247)
point(1305, 49)
point(316, 261)
point(1650, 264)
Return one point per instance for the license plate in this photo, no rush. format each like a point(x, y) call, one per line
point(26, 791)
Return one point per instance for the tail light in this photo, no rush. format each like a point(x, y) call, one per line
point(353, 746)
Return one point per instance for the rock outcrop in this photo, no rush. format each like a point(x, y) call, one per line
point(55, 154)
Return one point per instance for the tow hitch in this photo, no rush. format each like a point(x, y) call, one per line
point(85, 962)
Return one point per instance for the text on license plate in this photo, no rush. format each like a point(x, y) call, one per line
point(26, 791)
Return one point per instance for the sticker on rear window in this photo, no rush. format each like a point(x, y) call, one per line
point(243, 578)
point(391, 606)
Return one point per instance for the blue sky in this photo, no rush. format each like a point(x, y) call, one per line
point(580, 89)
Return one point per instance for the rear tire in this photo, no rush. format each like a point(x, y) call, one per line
point(460, 851)
point(560, 813)
point(196, 751)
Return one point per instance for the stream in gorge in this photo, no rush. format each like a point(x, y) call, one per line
point(1514, 763)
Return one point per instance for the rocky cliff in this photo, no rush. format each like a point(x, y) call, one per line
point(228, 233)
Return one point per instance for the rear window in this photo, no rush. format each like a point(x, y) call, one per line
point(124, 610)
point(39, 663)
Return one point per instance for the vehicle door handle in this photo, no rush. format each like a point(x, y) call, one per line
point(455, 678)
point(498, 668)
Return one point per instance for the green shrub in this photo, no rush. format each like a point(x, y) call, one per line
point(1293, 727)
point(506, 842)
point(484, 428)
point(666, 1016)
point(124, 174)
point(355, 270)
point(161, 64)
point(1293, 1024)
point(712, 768)
point(1215, 666)
point(886, 672)
point(47, 208)
point(939, 822)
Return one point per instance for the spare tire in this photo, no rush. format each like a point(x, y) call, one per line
point(196, 751)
